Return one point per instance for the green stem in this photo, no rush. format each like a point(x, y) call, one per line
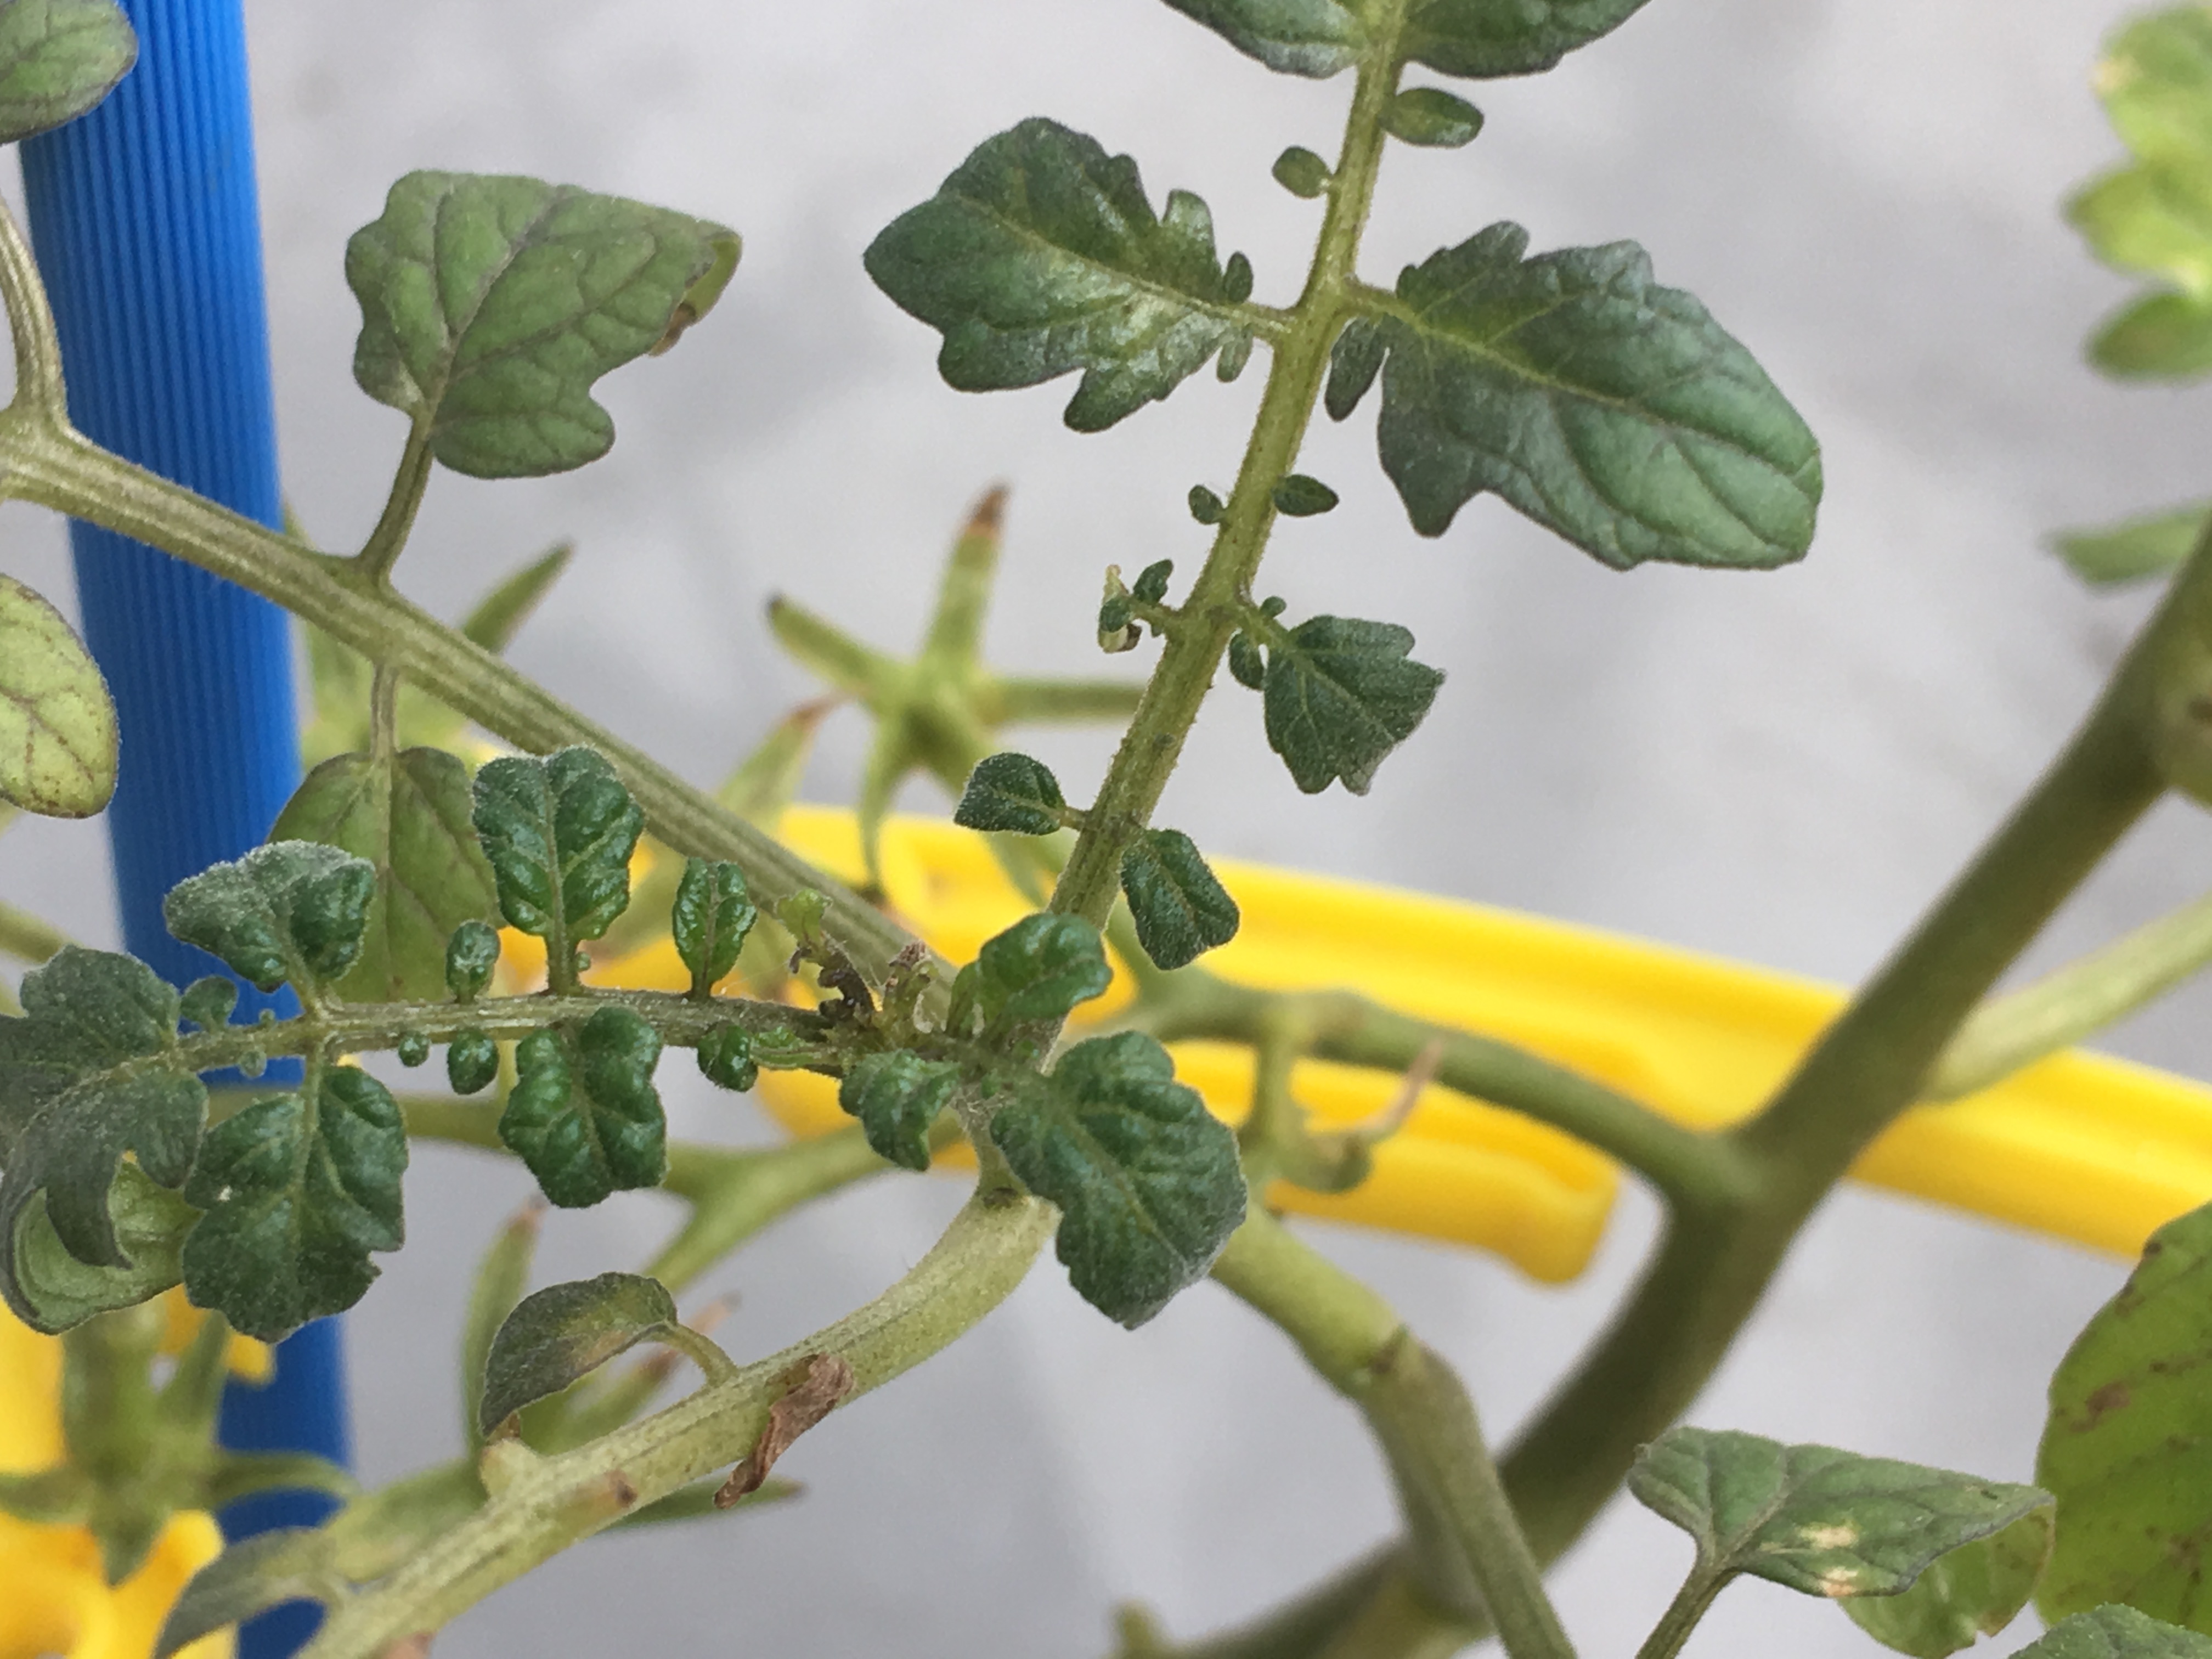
point(389, 539)
point(1690, 1605)
point(750, 1190)
point(27, 938)
point(545, 1504)
point(963, 595)
point(1191, 656)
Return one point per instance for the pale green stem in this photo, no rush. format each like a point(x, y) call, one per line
point(389, 539)
point(27, 938)
point(1690, 1605)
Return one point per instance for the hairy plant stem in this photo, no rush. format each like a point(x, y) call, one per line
point(1218, 601)
point(1691, 1603)
point(389, 539)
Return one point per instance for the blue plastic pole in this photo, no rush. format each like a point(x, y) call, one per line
point(145, 216)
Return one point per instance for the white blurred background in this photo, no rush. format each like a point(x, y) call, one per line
point(1780, 767)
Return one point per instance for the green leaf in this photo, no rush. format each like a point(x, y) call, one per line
point(1152, 584)
point(1040, 969)
point(57, 60)
point(1181, 910)
point(1339, 695)
point(1297, 496)
point(471, 956)
point(1973, 1591)
point(896, 1096)
point(1146, 1178)
point(1432, 117)
point(298, 1190)
point(2163, 337)
point(1011, 792)
point(1300, 172)
point(52, 1291)
point(559, 833)
point(566, 1332)
point(503, 1277)
point(87, 1073)
point(293, 910)
point(1606, 408)
point(2128, 1447)
point(288, 1564)
point(2141, 547)
point(713, 915)
point(583, 1114)
point(490, 305)
point(1823, 1522)
point(2116, 1632)
point(2154, 219)
point(1313, 38)
point(500, 613)
point(1247, 665)
point(1481, 39)
point(726, 1058)
point(1353, 362)
point(1040, 255)
point(207, 1003)
point(472, 1061)
point(57, 722)
point(407, 814)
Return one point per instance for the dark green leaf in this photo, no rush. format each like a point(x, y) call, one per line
point(1234, 356)
point(57, 722)
point(1432, 118)
point(1152, 584)
point(584, 1115)
point(407, 814)
point(1042, 255)
point(1146, 1178)
point(1975, 1590)
point(207, 1003)
point(51, 1289)
point(726, 1058)
point(2141, 547)
point(1237, 283)
point(1302, 172)
point(559, 833)
point(896, 1096)
point(1245, 661)
point(1817, 1520)
point(1610, 410)
point(413, 1049)
point(1339, 695)
point(1011, 792)
point(2116, 1632)
point(293, 910)
point(1482, 39)
point(1297, 496)
point(1180, 909)
point(1206, 507)
point(297, 1193)
point(566, 1332)
point(2163, 336)
point(471, 1062)
point(489, 305)
point(57, 60)
point(502, 612)
point(1039, 969)
point(2128, 1447)
point(1313, 38)
point(291, 1564)
point(713, 915)
point(87, 1074)
point(1353, 362)
point(471, 956)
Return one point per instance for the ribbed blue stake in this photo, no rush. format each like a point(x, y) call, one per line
point(145, 218)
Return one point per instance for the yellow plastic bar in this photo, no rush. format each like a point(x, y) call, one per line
point(2079, 1146)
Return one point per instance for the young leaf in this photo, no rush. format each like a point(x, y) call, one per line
point(566, 1332)
point(1012, 792)
point(713, 915)
point(1247, 665)
point(472, 1061)
point(1975, 1590)
point(1147, 1179)
point(896, 1096)
point(2139, 548)
point(1823, 1522)
point(1606, 408)
point(726, 1059)
point(471, 956)
point(498, 616)
point(1040, 255)
point(1152, 584)
point(1297, 496)
point(1039, 969)
point(1300, 172)
point(2117, 1632)
point(2128, 1447)
point(298, 1190)
point(1353, 362)
point(407, 814)
point(208, 1002)
point(293, 910)
point(1339, 695)
point(489, 305)
point(86, 1075)
point(1181, 910)
point(2163, 337)
point(1313, 38)
point(559, 833)
point(57, 723)
point(52, 1291)
point(1481, 39)
point(57, 60)
point(1432, 117)
point(583, 1114)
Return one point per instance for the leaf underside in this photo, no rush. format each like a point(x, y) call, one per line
point(57, 60)
point(58, 738)
point(1472, 38)
point(1973, 1591)
point(565, 1332)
